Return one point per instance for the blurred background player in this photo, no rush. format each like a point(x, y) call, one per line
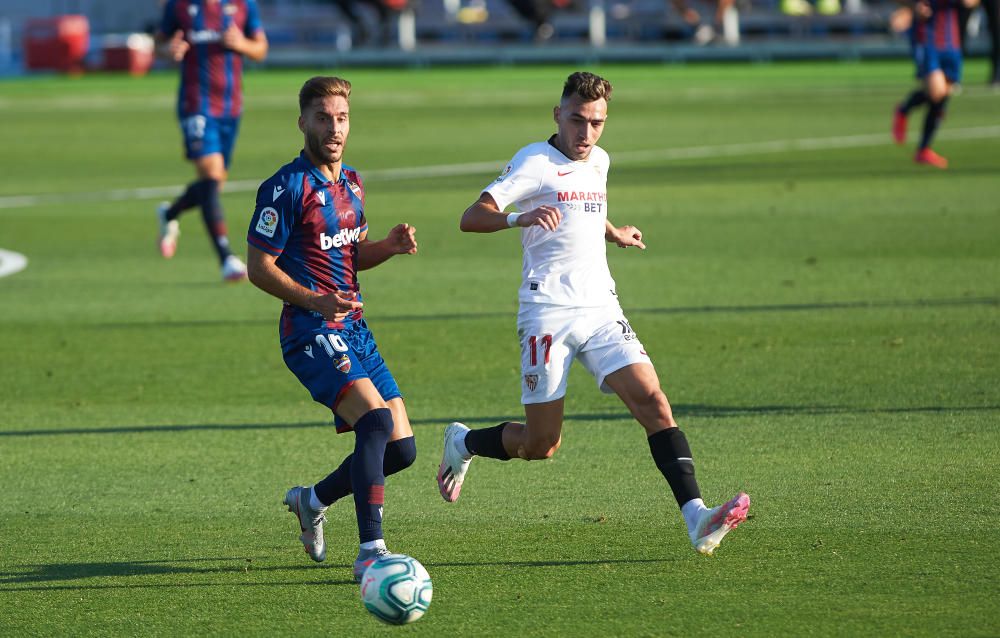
point(992, 10)
point(937, 52)
point(704, 32)
point(209, 38)
point(307, 241)
point(569, 310)
point(385, 11)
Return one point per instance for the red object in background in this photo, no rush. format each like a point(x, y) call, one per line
point(58, 43)
point(132, 53)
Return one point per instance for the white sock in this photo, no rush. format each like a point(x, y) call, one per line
point(691, 511)
point(460, 445)
point(314, 501)
point(377, 543)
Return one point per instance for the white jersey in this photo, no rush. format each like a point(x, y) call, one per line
point(567, 266)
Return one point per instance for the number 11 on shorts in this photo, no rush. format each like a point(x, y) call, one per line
point(533, 344)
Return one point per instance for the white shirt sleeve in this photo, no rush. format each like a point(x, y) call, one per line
point(520, 179)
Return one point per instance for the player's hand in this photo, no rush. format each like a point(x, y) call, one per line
point(336, 305)
point(548, 217)
point(177, 46)
point(233, 38)
point(627, 236)
point(402, 239)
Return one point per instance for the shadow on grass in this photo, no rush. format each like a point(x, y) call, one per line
point(680, 310)
point(682, 410)
point(35, 579)
point(62, 572)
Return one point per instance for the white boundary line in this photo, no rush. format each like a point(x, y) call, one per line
point(11, 262)
point(477, 168)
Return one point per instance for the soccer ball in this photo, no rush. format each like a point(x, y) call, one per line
point(396, 589)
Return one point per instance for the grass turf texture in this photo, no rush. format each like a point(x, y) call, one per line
point(825, 323)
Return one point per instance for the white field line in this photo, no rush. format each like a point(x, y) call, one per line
point(477, 168)
point(11, 262)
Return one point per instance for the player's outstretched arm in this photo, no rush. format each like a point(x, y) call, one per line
point(401, 240)
point(624, 237)
point(265, 274)
point(484, 216)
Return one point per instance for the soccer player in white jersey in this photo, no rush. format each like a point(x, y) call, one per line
point(569, 310)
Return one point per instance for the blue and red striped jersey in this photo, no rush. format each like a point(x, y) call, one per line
point(211, 75)
point(313, 226)
point(941, 29)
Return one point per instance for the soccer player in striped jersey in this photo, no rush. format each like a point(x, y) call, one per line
point(937, 52)
point(308, 239)
point(209, 38)
point(569, 310)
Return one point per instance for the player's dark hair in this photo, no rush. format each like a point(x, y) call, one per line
point(323, 86)
point(588, 86)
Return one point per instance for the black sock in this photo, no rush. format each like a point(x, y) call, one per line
point(191, 197)
point(935, 112)
point(371, 434)
point(915, 99)
point(487, 442)
point(211, 213)
point(399, 455)
point(672, 455)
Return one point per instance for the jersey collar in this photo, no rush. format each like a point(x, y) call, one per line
point(316, 173)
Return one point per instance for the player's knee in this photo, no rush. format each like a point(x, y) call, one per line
point(399, 455)
point(377, 422)
point(652, 405)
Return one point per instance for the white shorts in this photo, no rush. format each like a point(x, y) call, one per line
point(552, 336)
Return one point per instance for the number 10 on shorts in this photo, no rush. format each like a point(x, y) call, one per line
point(533, 341)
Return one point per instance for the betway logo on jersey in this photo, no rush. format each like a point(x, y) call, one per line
point(345, 237)
point(581, 196)
point(203, 36)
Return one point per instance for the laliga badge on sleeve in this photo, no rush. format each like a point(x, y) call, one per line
point(268, 222)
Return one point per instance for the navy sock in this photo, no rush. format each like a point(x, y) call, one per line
point(211, 213)
point(399, 455)
point(487, 442)
point(191, 197)
point(915, 99)
point(672, 455)
point(371, 433)
point(935, 112)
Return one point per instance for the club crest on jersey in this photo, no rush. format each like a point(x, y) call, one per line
point(505, 172)
point(268, 222)
point(343, 363)
point(355, 187)
point(230, 9)
point(531, 381)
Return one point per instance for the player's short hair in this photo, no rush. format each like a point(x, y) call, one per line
point(588, 86)
point(323, 86)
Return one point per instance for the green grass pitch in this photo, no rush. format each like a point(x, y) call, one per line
point(824, 315)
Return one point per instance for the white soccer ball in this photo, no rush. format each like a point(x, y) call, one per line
point(396, 589)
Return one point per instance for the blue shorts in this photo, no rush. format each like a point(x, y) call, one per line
point(328, 364)
point(929, 58)
point(207, 135)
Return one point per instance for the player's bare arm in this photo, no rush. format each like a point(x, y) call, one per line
point(254, 47)
point(401, 240)
point(264, 273)
point(623, 236)
point(172, 48)
point(484, 216)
